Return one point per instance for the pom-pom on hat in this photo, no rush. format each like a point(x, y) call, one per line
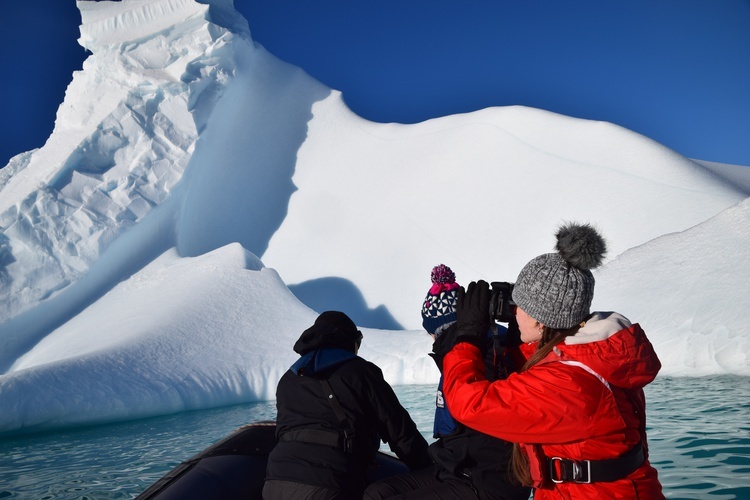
point(556, 289)
point(439, 307)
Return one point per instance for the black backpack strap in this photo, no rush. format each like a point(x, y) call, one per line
point(344, 422)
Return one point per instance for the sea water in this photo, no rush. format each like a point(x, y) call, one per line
point(698, 430)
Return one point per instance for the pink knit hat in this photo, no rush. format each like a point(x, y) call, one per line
point(439, 307)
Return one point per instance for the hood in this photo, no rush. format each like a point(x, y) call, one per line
point(615, 349)
point(332, 329)
point(321, 360)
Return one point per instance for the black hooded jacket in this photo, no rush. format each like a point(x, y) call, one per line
point(368, 402)
point(481, 459)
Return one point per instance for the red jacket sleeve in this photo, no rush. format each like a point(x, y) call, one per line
point(550, 403)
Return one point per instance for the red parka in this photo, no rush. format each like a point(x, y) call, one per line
point(584, 401)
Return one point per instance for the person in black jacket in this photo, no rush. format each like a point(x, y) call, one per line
point(467, 463)
point(333, 407)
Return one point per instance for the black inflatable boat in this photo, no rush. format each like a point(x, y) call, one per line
point(234, 467)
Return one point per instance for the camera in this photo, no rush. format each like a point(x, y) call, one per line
point(501, 302)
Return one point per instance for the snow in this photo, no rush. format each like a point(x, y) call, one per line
point(149, 251)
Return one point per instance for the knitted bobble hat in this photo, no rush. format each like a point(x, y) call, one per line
point(556, 289)
point(439, 306)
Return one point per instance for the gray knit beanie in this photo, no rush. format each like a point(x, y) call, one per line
point(556, 289)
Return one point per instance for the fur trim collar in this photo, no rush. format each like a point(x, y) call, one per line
point(600, 326)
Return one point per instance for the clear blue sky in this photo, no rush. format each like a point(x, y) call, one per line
point(677, 71)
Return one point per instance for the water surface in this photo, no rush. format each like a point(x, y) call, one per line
point(698, 428)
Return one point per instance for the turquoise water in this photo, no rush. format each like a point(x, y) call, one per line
point(699, 435)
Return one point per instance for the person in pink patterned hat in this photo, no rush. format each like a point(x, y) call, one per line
point(466, 463)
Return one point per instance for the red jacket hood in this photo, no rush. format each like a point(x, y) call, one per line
point(614, 348)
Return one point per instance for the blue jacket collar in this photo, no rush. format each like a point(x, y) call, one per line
point(320, 360)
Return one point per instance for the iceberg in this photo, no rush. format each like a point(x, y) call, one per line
point(199, 200)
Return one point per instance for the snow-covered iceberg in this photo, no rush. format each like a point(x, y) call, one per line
point(148, 249)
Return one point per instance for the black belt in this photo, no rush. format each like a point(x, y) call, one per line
point(595, 471)
point(314, 436)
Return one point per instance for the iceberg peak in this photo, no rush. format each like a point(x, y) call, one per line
point(117, 23)
point(157, 69)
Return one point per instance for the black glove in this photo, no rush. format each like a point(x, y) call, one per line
point(473, 313)
point(443, 344)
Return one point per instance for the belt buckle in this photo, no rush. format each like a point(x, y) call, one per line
point(581, 471)
point(578, 471)
point(552, 469)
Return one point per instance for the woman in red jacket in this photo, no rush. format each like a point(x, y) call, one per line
point(577, 409)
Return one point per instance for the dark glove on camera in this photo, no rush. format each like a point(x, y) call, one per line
point(473, 313)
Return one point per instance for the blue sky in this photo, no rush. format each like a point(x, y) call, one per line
point(677, 71)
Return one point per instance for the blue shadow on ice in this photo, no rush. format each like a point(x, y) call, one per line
point(339, 294)
point(239, 180)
